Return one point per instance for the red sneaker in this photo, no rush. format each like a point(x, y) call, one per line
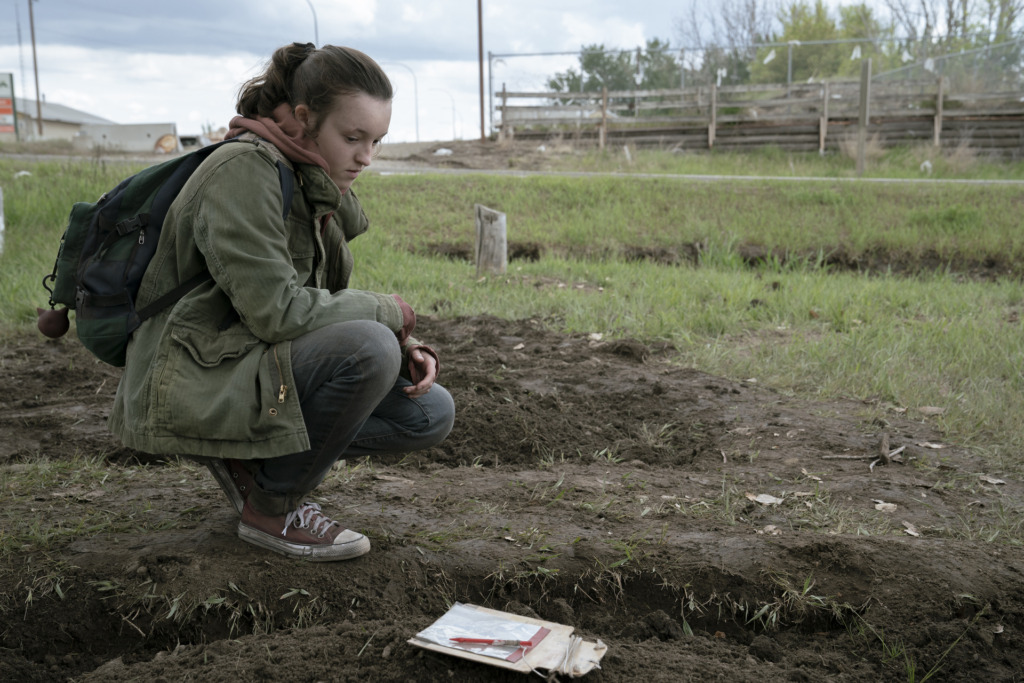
point(305, 533)
point(234, 478)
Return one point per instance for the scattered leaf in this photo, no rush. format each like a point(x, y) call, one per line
point(931, 410)
point(595, 336)
point(885, 507)
point(519, 347)
point(928, 444)
point(770, 530)
point(393, 479)
point(910, 529)
point(764, 499)
point(991, 480)
point(807, 474)
point(998, 628)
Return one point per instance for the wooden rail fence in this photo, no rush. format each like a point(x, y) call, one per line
point(800, 117)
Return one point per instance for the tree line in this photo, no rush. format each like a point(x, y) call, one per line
point(777, 41)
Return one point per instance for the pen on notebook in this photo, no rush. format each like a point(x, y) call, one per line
point(493, 641)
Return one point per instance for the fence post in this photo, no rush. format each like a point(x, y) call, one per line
point(506, 127)
point(491, 241)
point(714, 115)
point(862, 122)
point(603, 132)
point(937, 136)
point(1, 221)
point(823, 123)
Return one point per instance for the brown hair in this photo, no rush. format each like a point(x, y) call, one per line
point(301, 74)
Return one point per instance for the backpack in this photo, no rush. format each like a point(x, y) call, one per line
point(106, 248)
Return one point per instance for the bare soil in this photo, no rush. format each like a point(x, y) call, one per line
point(591, 483)
point(594, 483)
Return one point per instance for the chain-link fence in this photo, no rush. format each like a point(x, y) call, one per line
point(996, 68)
point(989, 68)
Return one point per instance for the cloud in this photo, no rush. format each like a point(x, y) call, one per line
point(153, 62)
point(612, 32)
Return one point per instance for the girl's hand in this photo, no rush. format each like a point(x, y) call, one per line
point(422, 370)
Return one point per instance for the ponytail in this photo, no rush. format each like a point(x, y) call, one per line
point(301, 74)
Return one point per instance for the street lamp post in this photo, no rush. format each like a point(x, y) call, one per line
point(35, 67)
point(415, 96)
point(316, 30)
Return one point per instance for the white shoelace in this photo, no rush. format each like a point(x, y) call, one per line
point(308, 516)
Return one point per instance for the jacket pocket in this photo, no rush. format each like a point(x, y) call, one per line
point(211, 385)
point(210, 350)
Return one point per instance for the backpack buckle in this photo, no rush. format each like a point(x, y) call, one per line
point(132, 224)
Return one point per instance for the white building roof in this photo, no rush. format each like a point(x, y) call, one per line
point(56, 112)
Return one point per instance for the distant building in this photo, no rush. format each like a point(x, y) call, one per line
point(89, 132)
point(59, 122)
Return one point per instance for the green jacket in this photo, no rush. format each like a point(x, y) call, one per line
point(212, 374)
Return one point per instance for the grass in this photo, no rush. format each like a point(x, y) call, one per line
point(600, 217)
point(907, 162)
point(67, 496)
point(932, 339)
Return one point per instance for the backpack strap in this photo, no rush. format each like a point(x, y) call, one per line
point(285, 168)
point(172, 296)
point(285, 175)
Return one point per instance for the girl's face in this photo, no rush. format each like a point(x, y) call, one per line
point(349, 134)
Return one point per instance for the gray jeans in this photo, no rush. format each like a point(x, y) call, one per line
point(347, 377)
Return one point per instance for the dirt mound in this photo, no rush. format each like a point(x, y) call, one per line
point(700, 527)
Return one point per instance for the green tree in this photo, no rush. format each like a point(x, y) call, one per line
point(659, 66)
point(655, 67)
point(801, 22)
point(859, 22)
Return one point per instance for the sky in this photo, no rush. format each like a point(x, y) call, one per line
point(156, 62)
point(182, 62)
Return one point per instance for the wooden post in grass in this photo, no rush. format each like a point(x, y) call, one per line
point(714, 115)
point(505, 130)
point(603, 132)
point(823, 123)
point(491, 241)
point(1, 221)
point(862, 121)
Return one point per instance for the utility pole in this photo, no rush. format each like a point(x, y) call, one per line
point(35, 67)
point(480, 35)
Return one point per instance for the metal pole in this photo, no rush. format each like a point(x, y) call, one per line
point(35, 66)
point(316, 31)
point(864, 114)
point(789, 68)
point(480, 40)
point(415, 96)
point(490, 88)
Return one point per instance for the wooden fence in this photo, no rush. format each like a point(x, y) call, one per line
point(800, 117)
